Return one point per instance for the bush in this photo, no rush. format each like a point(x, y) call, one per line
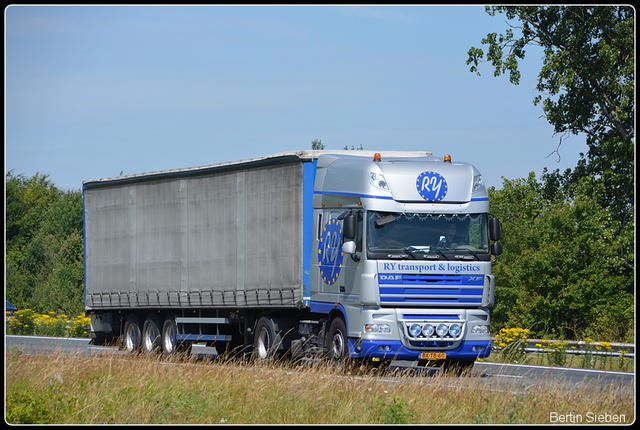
point(30, 323)
point(511, 343)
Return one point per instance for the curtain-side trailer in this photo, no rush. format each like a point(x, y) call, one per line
point(360, 255)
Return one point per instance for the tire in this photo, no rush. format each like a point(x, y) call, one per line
point(264, 340)
point(151, 335)
point(336, 343)
point(132, 335)
point(170, 345)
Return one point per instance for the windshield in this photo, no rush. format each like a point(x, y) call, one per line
point(437, 236)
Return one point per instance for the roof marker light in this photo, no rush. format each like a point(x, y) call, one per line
point(447, 158)
point(377, 157)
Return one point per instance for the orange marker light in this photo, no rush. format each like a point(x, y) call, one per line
point(447, 158)
point(377, 157)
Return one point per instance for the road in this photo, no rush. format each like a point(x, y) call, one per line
point(513, 378)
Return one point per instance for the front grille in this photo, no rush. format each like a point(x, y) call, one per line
point(430, 289)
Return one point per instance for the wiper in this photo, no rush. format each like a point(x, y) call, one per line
point(435, 257)
point(412, 250)
point(400, 256)
point(427, 252)
point(473, 256)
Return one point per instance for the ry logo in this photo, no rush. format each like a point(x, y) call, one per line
point(330, 251)
point(431, 186)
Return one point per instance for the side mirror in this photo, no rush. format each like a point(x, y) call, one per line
point(494, 229)
point(496, 248)
point(349, 227)
point(349, 247)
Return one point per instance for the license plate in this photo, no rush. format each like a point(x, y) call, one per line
point(433, 355)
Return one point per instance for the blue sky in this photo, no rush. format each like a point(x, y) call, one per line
point(94, 91)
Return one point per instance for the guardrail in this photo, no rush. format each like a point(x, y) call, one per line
point(580, 347)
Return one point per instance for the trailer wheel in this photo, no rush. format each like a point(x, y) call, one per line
point(132, 335)
point(170, 344)
point(336, 341)
point(151, 336)
point(264, 340)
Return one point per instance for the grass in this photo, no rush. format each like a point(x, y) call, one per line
point(115, 389)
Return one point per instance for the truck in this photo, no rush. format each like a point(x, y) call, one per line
point(353, 256)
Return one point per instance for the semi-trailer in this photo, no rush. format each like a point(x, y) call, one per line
point(353, 255)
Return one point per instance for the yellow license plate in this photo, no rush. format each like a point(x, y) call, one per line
point(433, 355)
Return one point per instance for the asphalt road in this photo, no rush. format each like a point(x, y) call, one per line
point(512, 378)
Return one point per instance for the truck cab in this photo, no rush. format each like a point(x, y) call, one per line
point(403, 258)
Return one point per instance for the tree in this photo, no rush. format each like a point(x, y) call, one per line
point(586, 84)
point(44, 267)
point(317, 144)
point(564, 266)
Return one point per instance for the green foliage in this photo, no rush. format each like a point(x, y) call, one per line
point(317, 144)
point(511, 344)
point(568, 240)
point(567, 263)
point(394, 412)
point(29, 407)
point(44, 242)
point(586, 85)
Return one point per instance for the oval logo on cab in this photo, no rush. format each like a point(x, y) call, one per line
point(431, 186)
point(330, 251)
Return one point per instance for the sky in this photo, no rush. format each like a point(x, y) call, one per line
point(98, 91)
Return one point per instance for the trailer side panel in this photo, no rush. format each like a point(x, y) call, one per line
point(225, 239)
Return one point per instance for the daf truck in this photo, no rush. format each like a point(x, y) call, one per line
point(350, 255)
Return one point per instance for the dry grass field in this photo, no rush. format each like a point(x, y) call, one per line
point(139, 390)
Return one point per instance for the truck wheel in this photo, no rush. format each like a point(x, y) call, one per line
point(336, 341)
point(132, 336)
point(170, 345)
point(264, 340)
point(151, 336)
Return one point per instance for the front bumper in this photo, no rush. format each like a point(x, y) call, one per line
point(395, 350)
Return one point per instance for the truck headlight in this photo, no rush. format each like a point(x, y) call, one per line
point(455, 330)
point(442, 330)
point(478, 183)
point(480, 329)
point(377, 328)
point(428, 330)
point(415, 330)
point(379, 181)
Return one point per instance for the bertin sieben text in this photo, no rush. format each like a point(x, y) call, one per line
point(589, 417)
